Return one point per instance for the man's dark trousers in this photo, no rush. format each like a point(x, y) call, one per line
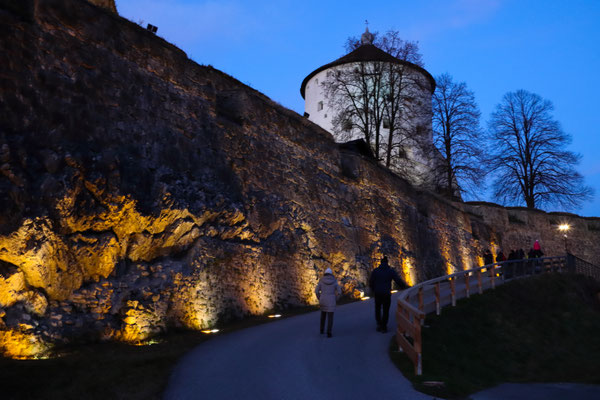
point(382, 301)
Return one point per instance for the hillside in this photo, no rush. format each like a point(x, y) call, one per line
point(542, 329)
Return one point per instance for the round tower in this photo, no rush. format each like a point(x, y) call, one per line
point(416, 155)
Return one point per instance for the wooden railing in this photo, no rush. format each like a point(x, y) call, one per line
point(416, 302)
point(583, 267)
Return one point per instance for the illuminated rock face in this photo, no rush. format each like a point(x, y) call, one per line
point(141, 191)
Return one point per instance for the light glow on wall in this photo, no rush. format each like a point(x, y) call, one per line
point(408, 272)
point(23, 346)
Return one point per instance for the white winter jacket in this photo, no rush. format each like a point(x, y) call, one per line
point(327, 292)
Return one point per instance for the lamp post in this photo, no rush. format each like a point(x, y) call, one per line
point(564, 228)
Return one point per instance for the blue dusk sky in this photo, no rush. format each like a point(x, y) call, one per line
point(549, 47)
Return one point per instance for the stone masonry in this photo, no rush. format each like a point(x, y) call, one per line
point(141, 191)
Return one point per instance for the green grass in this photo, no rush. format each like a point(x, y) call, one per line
point(109, 370)
point(542, 329)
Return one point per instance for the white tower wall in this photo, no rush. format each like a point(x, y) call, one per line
point(417, 125)
point(314, 96)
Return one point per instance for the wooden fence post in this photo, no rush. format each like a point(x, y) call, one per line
point(467, 285)
point(438, 308)
point(493, 276)
point(453, 291)
point(417, 345)
point(479, 281)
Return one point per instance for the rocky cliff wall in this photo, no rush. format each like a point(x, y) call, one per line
point(518, 227)
point(140, 191)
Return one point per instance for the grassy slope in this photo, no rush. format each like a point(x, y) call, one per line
point(543, 329)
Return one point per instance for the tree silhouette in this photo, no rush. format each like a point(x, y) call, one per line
point(374, 100)
point(457, 135)
point(528, 155)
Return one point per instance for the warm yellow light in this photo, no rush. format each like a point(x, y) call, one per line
point(564, 227)
point(209, 331)
point(274, 315)
point(148, 342)
point(365, 298)
point(22, 346)
point(394, 291)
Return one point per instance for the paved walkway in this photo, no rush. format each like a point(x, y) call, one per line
point(289, 359)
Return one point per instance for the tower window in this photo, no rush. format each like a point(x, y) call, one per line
point(386, 123)
point(320, 106)
point(347, 125)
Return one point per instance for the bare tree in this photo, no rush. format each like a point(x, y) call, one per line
point(393, 44)
point(528, 155)
point(353, 93)
point(398, 91)
point(370, 95)
point(457, 135)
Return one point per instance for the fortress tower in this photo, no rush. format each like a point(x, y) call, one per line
point(413, 152)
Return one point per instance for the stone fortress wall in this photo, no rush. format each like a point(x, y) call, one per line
point(108, 4)
point(141, 191)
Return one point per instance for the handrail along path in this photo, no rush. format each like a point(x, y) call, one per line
point(426, 297)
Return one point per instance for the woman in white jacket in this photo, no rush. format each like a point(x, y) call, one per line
point(327, 292)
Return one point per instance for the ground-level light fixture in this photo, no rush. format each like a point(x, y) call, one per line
point(363, 297)
point(209, 331)
point(275, 316)
point(148, 342)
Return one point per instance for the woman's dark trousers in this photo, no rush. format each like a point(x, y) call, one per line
point(382, 303)
point(329, 316)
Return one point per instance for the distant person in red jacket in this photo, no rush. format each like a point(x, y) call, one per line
point(381, 287)
point(537, 249)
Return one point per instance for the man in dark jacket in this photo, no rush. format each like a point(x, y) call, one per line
point(381, 287)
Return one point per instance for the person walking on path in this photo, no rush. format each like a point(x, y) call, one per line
point(328, 291)
point(538, 249)
point(381, 286)
point(488, 258)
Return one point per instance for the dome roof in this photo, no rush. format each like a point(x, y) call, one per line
point(366, 52)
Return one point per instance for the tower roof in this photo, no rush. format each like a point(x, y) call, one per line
point(367, 37)
point(367, 52)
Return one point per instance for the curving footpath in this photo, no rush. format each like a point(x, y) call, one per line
point(289, 359)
